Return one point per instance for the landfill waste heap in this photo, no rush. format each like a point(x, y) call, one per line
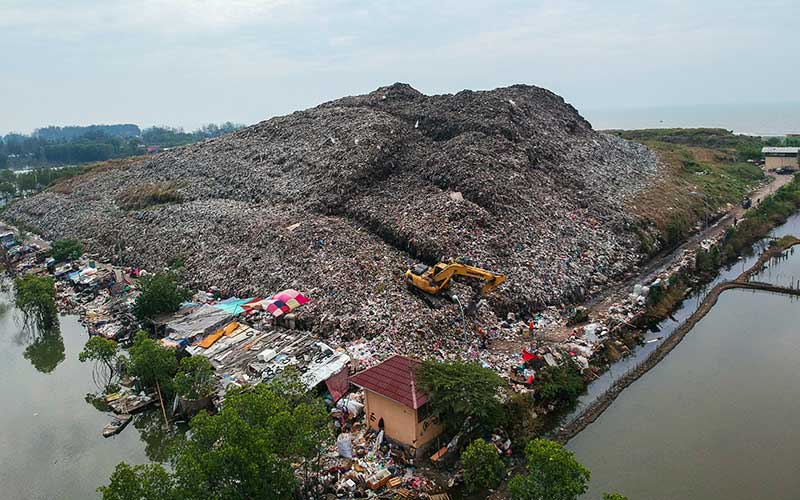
point(340, 199)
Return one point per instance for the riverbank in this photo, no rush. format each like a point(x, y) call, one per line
point(591, 413)
point(51, 444)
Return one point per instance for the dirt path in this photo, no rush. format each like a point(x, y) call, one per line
point(600, 304)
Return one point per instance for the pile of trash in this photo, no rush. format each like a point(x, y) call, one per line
point(339, 200)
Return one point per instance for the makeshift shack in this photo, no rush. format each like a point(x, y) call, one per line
point(395, 404)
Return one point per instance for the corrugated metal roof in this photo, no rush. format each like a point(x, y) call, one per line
point(393, 379)
point(780, 150)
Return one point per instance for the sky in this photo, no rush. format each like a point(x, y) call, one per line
point(190, 62)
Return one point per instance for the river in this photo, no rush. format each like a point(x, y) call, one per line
point(50, 442)
point(717, 418)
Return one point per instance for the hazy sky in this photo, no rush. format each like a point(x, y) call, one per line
point(185, 62)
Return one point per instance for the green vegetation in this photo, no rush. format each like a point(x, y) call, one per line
point(13, 184)
point(560, 384)
point(68, 249)
point(704, 137)
point(195, 378)
point(46, 350)
point(459, 391)
point(152, 363)
point(707, 169)
point(758, 221)
point(247, 450)
point(69, 145)
point(36, 298)
point(483, 468)
point(553, 474)
point(160, 294)
point(147, 195)
point(104, 353)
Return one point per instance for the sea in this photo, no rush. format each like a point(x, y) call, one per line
point(751, 119)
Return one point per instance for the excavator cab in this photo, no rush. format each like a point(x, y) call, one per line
point(419, 269)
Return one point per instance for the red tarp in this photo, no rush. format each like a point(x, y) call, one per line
point(338, 384)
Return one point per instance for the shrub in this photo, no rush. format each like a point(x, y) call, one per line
point(559, 383)
point(160, 294)
point(483, 468)
point(553, 474)
point(66, 250)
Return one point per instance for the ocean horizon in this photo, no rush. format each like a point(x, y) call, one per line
point(752, 119)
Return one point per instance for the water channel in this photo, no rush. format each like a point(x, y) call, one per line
point(717, 418)
point(50, 442)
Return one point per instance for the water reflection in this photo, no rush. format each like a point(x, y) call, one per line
point(158, 441)
point(46, 349)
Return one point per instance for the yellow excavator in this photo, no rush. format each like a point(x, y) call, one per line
point(435, 279)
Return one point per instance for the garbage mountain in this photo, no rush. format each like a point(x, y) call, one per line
point(338, 200)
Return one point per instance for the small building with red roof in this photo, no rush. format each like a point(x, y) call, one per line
point(393, 398)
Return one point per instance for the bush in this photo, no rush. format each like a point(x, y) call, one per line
point(553, 474)
point(559, 383)
point(483, 468)
point(66, 250)
point(160, 294)
point(250, 449)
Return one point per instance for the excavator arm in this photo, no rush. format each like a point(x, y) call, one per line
point(435, 279)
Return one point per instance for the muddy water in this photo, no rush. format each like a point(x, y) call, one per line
point(50, 442)
point(717, 419)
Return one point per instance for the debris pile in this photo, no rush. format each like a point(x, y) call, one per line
point(340, 199)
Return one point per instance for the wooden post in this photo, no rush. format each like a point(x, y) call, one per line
point(161, 400)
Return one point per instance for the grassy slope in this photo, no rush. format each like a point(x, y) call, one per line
point(706, 172)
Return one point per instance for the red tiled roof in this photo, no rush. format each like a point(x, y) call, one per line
point(393, 379)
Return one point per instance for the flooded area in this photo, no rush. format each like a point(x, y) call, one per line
point(50, 442)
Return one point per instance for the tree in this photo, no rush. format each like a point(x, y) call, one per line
point(160, 294)
point(553, 474)
point(36, 298)
point(247, 450)
point(195, 378)
point(483, 467)
point(104, 353)
point(139, 482)
point(7, 189)
point(151, 362)
point(458, 390)
point(66, 250)
point(614, 496)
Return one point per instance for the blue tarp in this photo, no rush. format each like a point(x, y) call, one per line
point(73, 275)
point(232, 305)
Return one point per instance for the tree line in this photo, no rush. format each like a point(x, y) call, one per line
point(73, 145)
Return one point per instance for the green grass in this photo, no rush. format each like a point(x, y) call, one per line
point(706, 173)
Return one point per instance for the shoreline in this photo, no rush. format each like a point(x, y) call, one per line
point(593, 411)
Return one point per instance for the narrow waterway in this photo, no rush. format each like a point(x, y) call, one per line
point(716, 419)
point(654, 338)
point(50, 441)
